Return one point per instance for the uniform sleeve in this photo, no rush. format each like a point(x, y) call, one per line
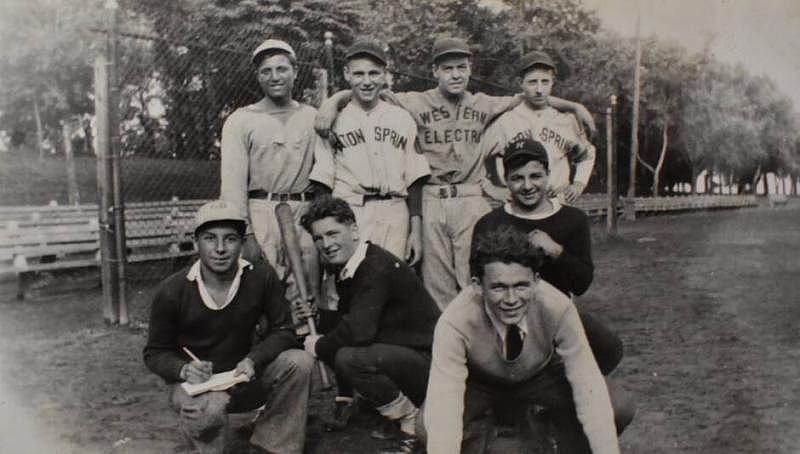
point(444, 406)
point(416, 166)
point(235, 162)
point(280, 336)
point(324, 169)
point(491, 148)
point(589, 389)
point(408, 101)
point(583, 155)
point(498, 105)
point(161, 351)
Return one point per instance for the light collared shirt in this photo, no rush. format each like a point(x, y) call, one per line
point(349, 269)
point(556, 205)
point(194, 274)
point(502, 328)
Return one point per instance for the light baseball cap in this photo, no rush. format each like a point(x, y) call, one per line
point(219, 210)
point(273, 44)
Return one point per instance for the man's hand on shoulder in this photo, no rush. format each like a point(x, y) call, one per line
point(329, 110)
point(572, 192)
point(546, 243)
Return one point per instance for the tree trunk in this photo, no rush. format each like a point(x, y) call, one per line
point(693, 183)
point(73, 196)
point(707, 181)
point(661, 157)
point(39, 131)
point(756, 177)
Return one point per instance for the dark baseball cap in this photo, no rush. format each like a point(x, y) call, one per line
point(367, 47)
point(525, 148)
point(535, 58)
point(447, 46)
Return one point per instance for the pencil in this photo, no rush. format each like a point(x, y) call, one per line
point(191, 355)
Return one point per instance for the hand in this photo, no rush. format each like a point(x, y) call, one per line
point(303, 310)
point(572, 192)
point(543, 241)
point(251, 250)
point(197, 371)
point(413, 247)
point(326, 115)
point(310, 344)
point(247, 367)
point(497, 193)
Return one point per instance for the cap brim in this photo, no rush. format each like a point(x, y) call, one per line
point(464, 53)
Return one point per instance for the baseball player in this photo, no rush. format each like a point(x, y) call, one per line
point(372, 163)
point(267, 155)
point(451, 122)
point(535, 119)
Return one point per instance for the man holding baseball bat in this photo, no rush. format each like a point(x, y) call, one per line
point(381, 345)
point(211, 310)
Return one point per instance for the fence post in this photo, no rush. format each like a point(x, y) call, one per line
point(329, 62)
point(611, 169)
point(108, 273)
point(112, 9)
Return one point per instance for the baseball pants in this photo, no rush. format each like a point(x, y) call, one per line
point(384, 223)
point(447, 225)
point(283, 388)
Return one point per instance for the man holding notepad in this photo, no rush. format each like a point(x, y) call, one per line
point(202, 323)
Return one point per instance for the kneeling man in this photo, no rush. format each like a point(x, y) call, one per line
point(513, 337)
point(381, 346)
point(231, 314)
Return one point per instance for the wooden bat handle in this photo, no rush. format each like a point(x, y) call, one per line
point(291, 243)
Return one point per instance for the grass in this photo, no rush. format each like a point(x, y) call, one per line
point(25, 180)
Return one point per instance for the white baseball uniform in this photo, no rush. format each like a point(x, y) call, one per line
point(371, 167)
point(271, 151)
point(452, 199)
point(560, 134)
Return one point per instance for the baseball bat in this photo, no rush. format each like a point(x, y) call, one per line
point(291, 243)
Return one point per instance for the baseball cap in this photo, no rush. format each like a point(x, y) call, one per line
point(273, 44)
point(525, 147)
point(219, 210)
point(534, 58)
point(367, 47)
point(444, 46)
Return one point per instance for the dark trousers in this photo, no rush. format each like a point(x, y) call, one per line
point(605, 344)
point(379, 372)
point(549, 389)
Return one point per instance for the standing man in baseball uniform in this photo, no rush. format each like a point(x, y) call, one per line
point(267, 155)
point(451, 122)
point(536, 119)
point(373, 163)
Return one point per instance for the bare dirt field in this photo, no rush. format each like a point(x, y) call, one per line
point(708, 305)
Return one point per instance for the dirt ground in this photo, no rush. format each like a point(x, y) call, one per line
point(706, 303)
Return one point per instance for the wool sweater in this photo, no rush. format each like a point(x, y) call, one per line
point(573, 270)
point(178, 318)
point(466, 344)
point(384, 302)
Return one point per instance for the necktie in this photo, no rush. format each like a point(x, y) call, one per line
point(513, 342)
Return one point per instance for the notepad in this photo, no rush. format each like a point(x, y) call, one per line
point(217, 382)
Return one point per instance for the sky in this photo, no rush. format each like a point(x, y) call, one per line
point(763, 35)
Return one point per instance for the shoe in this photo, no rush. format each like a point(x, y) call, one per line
point(388, 430)
point(342, 412)
point(406, 444)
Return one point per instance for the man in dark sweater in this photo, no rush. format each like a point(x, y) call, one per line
point(231, 315)
point(560, 231)
point(381, 346)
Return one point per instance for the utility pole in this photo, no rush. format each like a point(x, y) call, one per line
point(611, 168)
point(635, 119)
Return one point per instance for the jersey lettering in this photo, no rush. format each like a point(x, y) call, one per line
point(351, 138)
point(436, 114)
point(430, 136)
point(397, 140)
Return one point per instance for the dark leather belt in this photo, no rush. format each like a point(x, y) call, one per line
point(448, 191)
point(277, 197)
point(370, 197)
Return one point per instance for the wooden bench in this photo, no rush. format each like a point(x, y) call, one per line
point(36, 239)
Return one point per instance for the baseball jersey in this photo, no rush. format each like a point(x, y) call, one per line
point(268, 150)
point(560, 134)
point(450, 134)
point(374, 154)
